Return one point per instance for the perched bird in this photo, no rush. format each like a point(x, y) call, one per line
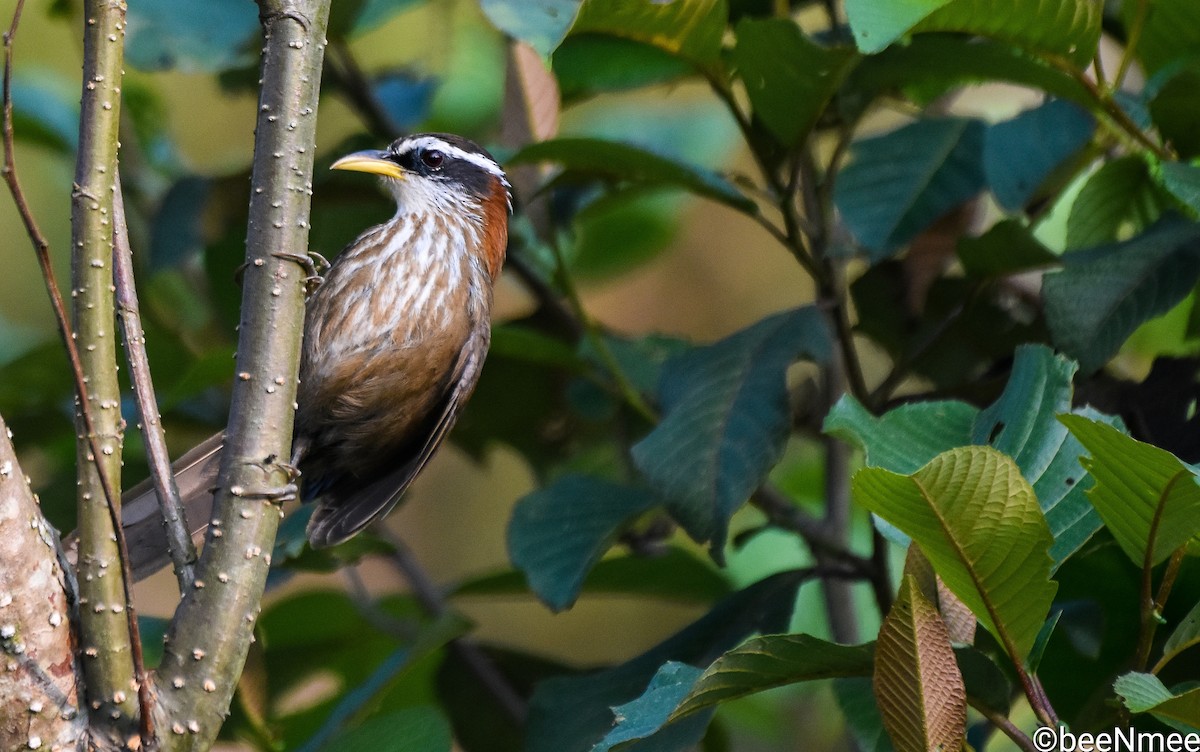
point(394, 340)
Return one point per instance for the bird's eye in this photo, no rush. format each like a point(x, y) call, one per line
point(432, 158)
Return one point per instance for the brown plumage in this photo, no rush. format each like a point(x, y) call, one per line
point(394, 340)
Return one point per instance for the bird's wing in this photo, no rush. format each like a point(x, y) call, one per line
point(336, 520)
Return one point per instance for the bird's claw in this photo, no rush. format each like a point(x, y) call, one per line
point(275, 494)
point(313, 264)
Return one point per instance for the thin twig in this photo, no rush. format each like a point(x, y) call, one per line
point(431, 598)
point(1149, 606)
point(179, 542)
point(1010, 729)
point(42, 252)
point(1131, 43)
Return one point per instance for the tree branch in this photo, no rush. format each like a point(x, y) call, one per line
point(210, 634)
point(179, 541)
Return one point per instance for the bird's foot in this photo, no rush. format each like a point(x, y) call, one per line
point(313, 264)
point(274, 494)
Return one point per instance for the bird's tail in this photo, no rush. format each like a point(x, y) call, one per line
point(195, 474)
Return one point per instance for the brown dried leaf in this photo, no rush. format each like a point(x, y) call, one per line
point(918, 686)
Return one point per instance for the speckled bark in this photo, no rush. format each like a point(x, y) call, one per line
point(40, 709)
point(110, 688)
point(210, 634)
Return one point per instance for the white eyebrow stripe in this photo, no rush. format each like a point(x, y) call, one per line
point(479, 160)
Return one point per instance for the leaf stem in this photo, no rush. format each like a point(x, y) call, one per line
point(1150, 604)
point(1131, 43)
point(1007, 727)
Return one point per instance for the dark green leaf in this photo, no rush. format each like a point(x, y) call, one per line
point(774, 661)
point(1175, 111)
point(587, 64)
point(1103, 294)
point(906, 438)
point(897, 184)
point(571, 714)
point(177, 234)
point(558, 533)
point(419, 729)
point(541, 23)
point(405, 98)
point(876, 25)
point(788, 78)
point(984, 680)
point(1008, 247)
point(624, 229)
point(1182, 181)
point(1046, 137)
point(591, 156)
point(46, 110)
point(1145, 693)
point(1118, 200)
point(674, 576)
point(642, 717)
point(1062, 28)
point(726, 419)
point(192, 37)
point(1185, 635)
point(856, 698)
point(1170, 32)
point(691, 29)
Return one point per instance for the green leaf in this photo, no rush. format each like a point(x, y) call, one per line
point(374, 13)
point(1182, 181)
point(1060, 28)
point(46, 110)
point(788, 78)
point(763, 663)
point(1008, 247)
point(897, 184)
point(559, 532)
point(624, 229)
point(591, 156)
point(1140, 490)
point(986, 684)
point(191, 37)
point(691, 29)
point(906, 437)
point(1102, 295)
point(1118, 200)
point(418, 729)
point(978, 522)
point(1046, 137)
point(642, 717)
point(542, 23)
point(675, 575)
point(1170, 33)
point(1145, 693)
point(1185, 635)
point(588, 64)
point(917, 683)
point(726, 420)
point(876, 25)
point(1174, 110)
point(856, 699)
point(571, 714)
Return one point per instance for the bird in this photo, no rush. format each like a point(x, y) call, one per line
point(395, 336)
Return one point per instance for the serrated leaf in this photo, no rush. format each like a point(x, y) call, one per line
point(417, 729)
point(191, 37)
point(904, 438)
point(1102, 295)
point(639, 718)
point(770, 661)
point(541, 24)
point(1185, 635)
point(1046, 137)
point(726, 419)
point(1140, 491)
point(1145, 693)
point(593, 156)
point(1170, 31)
point(917, 683)
point(1117, 201)
point(897, 184)
point(570, 714)
point(1182, 181)
point(675, 575)
point(691, 29)
point(1066, 28)
point(559, 532)
point(1008, 247)
point(876, 25)
point(788, 77)
point(978, 522)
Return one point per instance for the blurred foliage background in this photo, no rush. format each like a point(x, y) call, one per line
point(969, 155)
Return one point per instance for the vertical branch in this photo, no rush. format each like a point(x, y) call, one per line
point(179, 541)
point(41, 705)
point(109, 672)
point(211, 631)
